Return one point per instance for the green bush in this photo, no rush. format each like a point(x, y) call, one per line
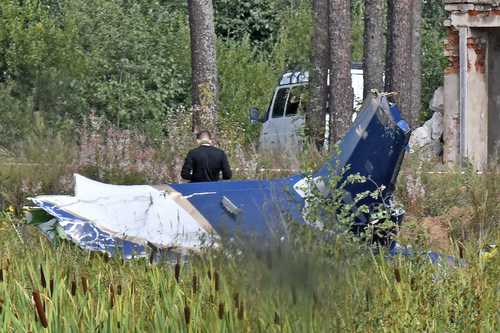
point(248, 76)
point(257, 19)
point(15, 118)
point(41, 58)
point(138, 59)
point(129, 62)
point(247, 80)
point(433, 59)
point(40, 164)
point(292, 50)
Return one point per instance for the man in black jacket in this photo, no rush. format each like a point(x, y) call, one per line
point(205, 163)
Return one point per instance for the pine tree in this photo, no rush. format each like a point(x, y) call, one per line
point(341, 93)
point(315, 117)
point(203, 65)
point(374, 46)
point(403, 56)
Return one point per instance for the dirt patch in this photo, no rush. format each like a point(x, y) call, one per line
point(439, 232)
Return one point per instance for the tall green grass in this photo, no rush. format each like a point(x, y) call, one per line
point(288, 289)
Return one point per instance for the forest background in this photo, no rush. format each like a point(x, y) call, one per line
point(103, 88)
point(129, 62)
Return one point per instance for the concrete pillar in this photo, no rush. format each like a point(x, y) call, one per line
point(476, 117)
point(472, 91)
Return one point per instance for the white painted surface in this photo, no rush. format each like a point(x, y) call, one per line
point(138, 213)
point(283, 134)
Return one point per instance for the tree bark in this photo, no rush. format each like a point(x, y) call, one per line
point(451, 114)
point(203, 65)
point(403, 65)
point(341, 93)
point(315, 116)
point(374, 46)
point(416, 61)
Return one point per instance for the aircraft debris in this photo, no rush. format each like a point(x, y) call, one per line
point(131, 219)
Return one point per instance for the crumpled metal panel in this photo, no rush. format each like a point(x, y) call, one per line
point(86, 234)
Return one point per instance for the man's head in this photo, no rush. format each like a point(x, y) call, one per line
point(204, 137)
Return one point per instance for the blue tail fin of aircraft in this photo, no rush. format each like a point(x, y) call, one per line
point(374, 147)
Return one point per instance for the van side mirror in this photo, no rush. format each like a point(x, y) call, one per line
point(254, 115)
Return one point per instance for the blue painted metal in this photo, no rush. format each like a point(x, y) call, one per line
point(88, 236)
point(265, 205)
point(374, 147)
point(436, 258)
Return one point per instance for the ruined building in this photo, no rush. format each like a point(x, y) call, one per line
point(472, 83)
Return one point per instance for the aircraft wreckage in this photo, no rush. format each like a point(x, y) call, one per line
point(133, 219)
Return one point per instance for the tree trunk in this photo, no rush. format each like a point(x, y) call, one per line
point(203, 65)
point(401, 65)
point(341, 93)
point(451, 114)
point(315, 116)
point(374, 46)
point(416, 61)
